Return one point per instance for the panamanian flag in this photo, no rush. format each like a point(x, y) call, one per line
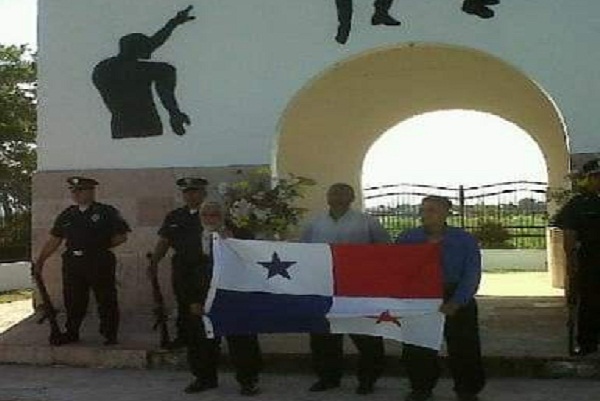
point(392, 291)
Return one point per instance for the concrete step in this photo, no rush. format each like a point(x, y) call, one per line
point(521, 337)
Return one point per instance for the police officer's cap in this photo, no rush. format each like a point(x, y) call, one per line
point(81, 183)
point(191, 183)
point(591, 167)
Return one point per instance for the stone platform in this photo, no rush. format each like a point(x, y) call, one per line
point(521, 336)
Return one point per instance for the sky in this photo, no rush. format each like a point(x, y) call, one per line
point(451, 148)
point(18, 22)
point(446, 148)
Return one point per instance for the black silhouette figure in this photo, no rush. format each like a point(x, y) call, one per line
point(125, 83)
point(480, 7)
point(381, 16)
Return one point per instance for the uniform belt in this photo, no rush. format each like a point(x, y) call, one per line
point(83, 252)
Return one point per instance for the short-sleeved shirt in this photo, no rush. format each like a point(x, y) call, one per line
point(461, 260)
point(182, 228)
point(582, 215)
point(353, 227)
point(90, 229)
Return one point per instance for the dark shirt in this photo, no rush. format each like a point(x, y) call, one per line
point(182, 228)
point(91, 229)
point(461, 260)
point(582, 215)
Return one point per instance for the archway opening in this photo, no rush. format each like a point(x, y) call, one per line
point(332, 122)
point(492, 170)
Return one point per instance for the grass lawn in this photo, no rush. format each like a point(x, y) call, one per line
point(15, 295)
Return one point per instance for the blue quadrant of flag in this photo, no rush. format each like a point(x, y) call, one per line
point(236, 312)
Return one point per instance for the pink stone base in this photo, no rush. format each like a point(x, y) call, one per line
point(143, 196)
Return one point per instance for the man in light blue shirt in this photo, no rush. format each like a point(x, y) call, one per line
point(461, 264)
point(341, 224)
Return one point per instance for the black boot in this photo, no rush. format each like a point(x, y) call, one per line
point(342, 34)
point(382, 14)
point(477, 7)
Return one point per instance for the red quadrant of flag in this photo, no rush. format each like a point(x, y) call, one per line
point(388, 271)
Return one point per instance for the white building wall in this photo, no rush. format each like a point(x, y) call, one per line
point(241, 61)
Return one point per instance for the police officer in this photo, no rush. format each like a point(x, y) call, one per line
point(580, 220)
point(181, 230)
point(90, 229)
point(188, 230)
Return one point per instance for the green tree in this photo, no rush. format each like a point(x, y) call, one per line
point(17, 128)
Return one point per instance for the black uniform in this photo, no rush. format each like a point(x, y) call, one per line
point(88, 264)
point(582, 215)
point(192, 271)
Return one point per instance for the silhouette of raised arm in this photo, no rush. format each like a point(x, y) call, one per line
point(160, 37)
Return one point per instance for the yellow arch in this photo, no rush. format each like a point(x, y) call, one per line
point(329, 126)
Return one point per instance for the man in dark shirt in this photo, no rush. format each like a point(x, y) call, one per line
point(181, 230)
point(90, 229)
point(580, 221)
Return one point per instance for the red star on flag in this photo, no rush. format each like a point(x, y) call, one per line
point(386, 317)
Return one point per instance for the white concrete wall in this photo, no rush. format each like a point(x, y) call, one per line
point(241, 62)
point(514, 259)
point(15, 276)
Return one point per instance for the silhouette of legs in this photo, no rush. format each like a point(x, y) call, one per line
point(381, 16)
point(382, 13)
point(344, 11)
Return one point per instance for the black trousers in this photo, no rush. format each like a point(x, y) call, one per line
point(328, 356)
point(190, 283)
point(95, 272)
point(461, 332)
point(183, 301)
point(588, 309)
point(203, 354)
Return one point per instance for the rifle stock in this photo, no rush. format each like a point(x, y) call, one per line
point(161, 316)
point(49, 312)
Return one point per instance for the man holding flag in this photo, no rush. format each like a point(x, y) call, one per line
point(374, 290)
point(461, 263)
point(341, 224)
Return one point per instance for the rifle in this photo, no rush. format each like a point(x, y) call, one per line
point(48, 311)
point(159, 311)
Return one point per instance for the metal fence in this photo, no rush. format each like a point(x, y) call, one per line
point(506, 214)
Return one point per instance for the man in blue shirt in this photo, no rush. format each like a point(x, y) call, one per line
point(461, 263)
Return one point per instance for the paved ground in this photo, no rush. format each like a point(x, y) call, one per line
point(522, 316)
point(13, 312)
point(522, 323)
point(20, 383)
point(522, 284)
point(518, 284)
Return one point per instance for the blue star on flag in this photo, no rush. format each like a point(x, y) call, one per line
point(277, 267)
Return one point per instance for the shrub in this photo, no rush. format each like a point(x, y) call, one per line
point(491, 234)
